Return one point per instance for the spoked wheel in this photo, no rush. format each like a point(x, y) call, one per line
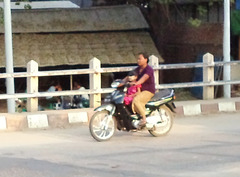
point(102, 126)
point(165, 122)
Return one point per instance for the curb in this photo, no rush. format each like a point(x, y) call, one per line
point(68, 118)
point(198, 107)
point(44, 119)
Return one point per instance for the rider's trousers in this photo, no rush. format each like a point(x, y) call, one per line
point(139, 102)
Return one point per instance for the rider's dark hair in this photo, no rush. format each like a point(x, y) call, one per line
point(145, 55)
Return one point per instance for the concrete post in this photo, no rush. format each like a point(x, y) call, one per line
point(95, 82)
point(153, 62)
point(32, 86)
point(208, 76)
point(9, 54)
point(226, 49)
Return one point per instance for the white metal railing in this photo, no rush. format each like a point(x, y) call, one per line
point(95, 72)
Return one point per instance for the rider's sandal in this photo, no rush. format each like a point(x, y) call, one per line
point(142, 123)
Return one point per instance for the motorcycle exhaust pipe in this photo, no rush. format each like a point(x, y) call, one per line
point(152, 121)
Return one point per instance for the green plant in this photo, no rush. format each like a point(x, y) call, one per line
point(27, 6)
point(194, 22)
point(202, 10)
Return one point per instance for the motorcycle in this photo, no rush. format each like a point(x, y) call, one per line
point(113, 114)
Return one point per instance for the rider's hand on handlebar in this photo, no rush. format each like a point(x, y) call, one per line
point(131, 83)
point(120, 85)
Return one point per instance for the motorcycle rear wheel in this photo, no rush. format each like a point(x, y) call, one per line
point(101, 126)
point(165, 123)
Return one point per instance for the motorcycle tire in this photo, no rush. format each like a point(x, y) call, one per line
point(165, 123)
point(101, 127)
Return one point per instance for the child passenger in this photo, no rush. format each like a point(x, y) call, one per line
point(133, 89)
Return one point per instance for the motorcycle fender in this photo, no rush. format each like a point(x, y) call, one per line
point(171, 106)
point(109, 107)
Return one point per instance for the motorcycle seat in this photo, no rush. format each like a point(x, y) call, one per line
point(162, 94)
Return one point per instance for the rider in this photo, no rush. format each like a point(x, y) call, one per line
point(146, 79)
point(132, 90)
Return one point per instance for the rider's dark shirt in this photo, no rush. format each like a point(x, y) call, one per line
point(149, 84)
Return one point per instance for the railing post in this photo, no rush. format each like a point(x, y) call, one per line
point(153, 62)
point(32, 86)
point(208, 76)
point(95, 82)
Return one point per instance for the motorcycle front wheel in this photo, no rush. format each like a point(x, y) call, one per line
point(165, 122)
point(102, 126)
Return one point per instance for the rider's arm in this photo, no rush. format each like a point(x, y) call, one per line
point(138, 90)
point(124, 81)
point(142, 79)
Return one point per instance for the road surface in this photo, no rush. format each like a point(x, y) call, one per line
point(200, 146)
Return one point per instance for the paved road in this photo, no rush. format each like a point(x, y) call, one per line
point(202, 146)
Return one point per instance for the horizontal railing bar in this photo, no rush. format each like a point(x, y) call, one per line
point(111, 69)
point(196, 84)
point(118, 69)
point(179, 66)
point(48, 73)
point(65, 72)
point(109, 90)
point(54, 94)
point(194, 65)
